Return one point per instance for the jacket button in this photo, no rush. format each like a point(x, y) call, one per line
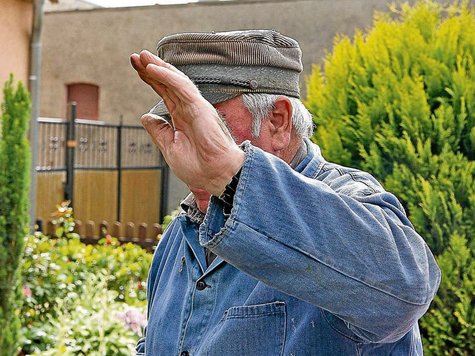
point(184, 353)
point(200, 285)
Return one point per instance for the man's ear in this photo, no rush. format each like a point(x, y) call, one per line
point(280, 123)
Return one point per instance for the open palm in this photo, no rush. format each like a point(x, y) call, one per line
point(197, 146)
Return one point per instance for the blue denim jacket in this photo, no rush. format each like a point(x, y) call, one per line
point(316, 261)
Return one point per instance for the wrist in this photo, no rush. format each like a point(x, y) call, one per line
point(220, 182)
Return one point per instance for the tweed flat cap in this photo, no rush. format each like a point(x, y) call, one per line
point(226, 64)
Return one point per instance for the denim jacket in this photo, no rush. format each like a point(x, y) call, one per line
point(319, 260)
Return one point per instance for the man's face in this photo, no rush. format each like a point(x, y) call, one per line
point(238, 120)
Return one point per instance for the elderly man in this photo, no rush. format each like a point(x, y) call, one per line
point(276, 252)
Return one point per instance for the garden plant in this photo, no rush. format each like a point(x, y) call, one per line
point(14, 187)
point(82, 299)
point(398, 100)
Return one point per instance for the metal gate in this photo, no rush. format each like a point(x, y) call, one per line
point(110, 173)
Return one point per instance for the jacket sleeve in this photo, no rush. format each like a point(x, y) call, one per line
point(347, 249)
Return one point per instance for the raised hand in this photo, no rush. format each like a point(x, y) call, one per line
point(197, 146)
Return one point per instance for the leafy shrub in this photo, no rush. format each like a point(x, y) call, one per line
point(167, 219)
point(91, 323)
point(450, 321)
point(58, 269)
point(63, 219)
point(399, 102)
point(14, 186)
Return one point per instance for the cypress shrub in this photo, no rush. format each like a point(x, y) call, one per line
point(14, 185)
point(399, 101)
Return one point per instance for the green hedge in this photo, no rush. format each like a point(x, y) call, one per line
point(14, 187)
point(399, 101)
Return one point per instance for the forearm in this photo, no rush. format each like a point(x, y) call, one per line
point(342, 254)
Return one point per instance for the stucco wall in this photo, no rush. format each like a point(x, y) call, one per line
point(15, 30)
point(94, 46)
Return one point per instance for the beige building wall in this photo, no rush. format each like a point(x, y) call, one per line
point(94, 46)
point(15, 29)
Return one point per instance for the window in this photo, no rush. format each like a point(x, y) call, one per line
point(86, 97)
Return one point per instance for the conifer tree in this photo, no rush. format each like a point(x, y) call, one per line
point(14, 185)
point(399, 101)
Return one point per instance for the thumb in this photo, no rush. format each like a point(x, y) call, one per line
point(160, 131)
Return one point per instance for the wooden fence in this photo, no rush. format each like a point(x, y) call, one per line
point(90, 232)
point(110, 173)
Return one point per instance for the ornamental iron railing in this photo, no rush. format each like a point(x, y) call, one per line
point(109, 173)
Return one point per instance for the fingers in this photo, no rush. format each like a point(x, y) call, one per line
point(164, 78)
point(175, 80)
point(142, 72)
point(182, 98)
point(179, 86)
point(138, 64)
point(135, 61)
point(147, 57)
point(160, 131)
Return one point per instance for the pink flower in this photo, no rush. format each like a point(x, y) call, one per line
point(134, 319)
point(27, 291)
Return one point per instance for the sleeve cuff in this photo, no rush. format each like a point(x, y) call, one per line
point(227, 197)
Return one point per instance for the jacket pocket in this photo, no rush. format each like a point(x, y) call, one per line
point(340, 326)
point(249, 330)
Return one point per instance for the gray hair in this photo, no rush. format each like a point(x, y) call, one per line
point(260, 105)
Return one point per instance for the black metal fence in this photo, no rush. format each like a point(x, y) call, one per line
point(83, 145)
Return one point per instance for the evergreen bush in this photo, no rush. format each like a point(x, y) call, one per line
point(14, 185)
point(399, 102)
